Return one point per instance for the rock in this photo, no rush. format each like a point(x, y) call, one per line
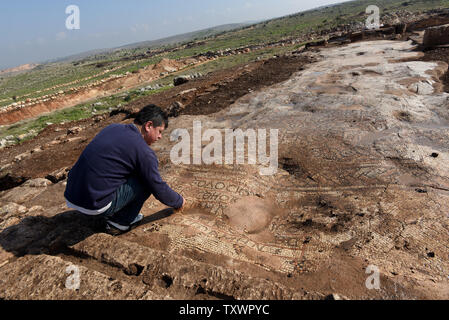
point(73, 140)
point(52, 276)
point(211, 89)
point(58, 175)
point(12, 209)
point(22, 137)
point(6, 166)
point(335, 296)
point(187, 91)
point(180, 80)
point(170, 69)
point(423, 88)
point(53, 143)
point(22, 156)
point(37, 183)
point(34, 210)
point(4, 263)
point(174, 109)
point(36, 150)
point(435, 36)
point(10, 222)
point(74, 130)
point(195, 75)
point(26, 192)
point(100, 118)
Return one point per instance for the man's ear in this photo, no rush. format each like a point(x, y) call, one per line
point(148, 125)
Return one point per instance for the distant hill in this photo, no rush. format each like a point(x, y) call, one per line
point(79, 56)
point(201, 34)
point(23, 67)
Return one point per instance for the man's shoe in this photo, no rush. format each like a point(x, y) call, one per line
point(113, 231)
point(114, 228)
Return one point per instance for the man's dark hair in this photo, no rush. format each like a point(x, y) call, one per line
point(152, 113)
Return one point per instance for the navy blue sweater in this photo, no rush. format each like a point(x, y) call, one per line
point(116, 153)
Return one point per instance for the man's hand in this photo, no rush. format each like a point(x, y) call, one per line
point(180, 210)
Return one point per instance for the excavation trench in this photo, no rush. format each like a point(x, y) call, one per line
point(439, 54)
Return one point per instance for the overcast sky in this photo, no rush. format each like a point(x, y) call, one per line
point(35, 31)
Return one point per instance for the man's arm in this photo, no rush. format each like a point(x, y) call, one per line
point(149, 171)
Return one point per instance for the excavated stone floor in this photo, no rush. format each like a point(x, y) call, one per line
point(362, 181)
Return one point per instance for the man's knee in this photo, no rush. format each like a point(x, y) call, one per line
point(140, 190)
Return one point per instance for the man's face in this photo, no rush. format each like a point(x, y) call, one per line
point(151, 134)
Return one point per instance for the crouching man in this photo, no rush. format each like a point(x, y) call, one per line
point(118, 172)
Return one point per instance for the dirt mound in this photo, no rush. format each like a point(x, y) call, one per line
point(168, 65)
point(251, 214)
point(24, 67)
